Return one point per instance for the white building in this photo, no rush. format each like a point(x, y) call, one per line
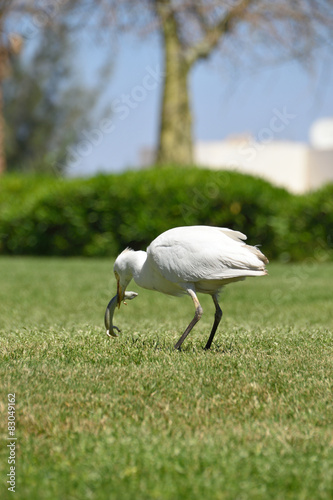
point(298, 167)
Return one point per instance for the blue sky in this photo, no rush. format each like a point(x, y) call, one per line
point(225, 101)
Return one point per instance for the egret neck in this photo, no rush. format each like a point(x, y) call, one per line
point(129, 265)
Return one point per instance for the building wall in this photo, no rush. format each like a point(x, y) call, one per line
point(294, 166)
point(320, 168)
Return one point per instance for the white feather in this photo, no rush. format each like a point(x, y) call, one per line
point(193, 255)
point(189, 260)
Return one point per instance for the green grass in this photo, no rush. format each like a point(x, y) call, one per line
point(130, 418)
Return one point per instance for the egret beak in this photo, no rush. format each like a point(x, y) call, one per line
point(120, 294)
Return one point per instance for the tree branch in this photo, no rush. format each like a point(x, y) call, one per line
point(213, 34)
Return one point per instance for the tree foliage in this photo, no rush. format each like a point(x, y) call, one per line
point(45, 106)
point(43, 103)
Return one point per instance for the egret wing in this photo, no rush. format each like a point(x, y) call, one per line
point(194, 253)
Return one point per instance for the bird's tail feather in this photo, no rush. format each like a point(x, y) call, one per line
point(258, 253)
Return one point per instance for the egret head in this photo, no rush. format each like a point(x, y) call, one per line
point(123, 273)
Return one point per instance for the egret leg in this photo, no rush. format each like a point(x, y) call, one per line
point(218, 317)
point(197, 316)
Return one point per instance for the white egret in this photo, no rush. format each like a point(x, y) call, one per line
point(192, 259)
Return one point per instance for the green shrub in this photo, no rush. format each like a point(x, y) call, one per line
point(312, 225)
point(102, 215)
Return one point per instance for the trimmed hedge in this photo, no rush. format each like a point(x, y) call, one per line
point(102, 215)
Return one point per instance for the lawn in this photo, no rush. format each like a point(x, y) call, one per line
point(130, 418)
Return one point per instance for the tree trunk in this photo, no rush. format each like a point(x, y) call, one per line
point(3, 74)
point(2, 135)
point(175, 139)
